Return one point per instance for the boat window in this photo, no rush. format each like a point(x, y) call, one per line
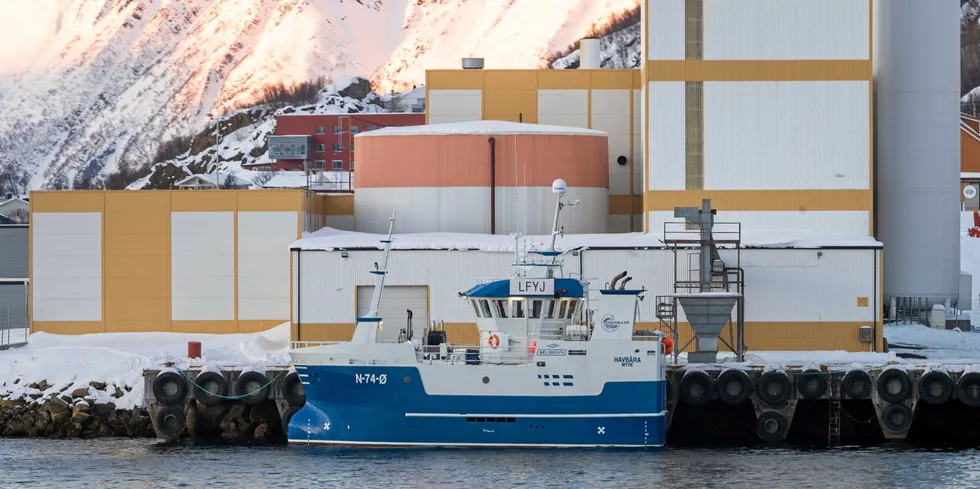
point(518, 309)
point(551, 309)
point(562, 309)
point(476, 309)
point(535, 310)
point(485, 306)
point(501, 308)
point(573, 308)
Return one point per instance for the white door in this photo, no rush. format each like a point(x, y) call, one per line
point(397, 300)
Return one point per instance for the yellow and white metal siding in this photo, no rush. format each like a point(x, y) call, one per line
point(187, 261)
point(797, 299)
point(764, 106)
point(606, 100)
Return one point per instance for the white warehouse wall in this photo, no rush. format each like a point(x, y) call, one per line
point(67, 273)
point(202, 264)
point(446, 106)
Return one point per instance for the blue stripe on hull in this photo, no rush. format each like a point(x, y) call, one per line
point(340, 411)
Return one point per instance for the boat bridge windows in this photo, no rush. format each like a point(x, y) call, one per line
point(556, 309)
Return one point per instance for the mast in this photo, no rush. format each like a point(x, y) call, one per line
point(367, 327)
point(558, 187)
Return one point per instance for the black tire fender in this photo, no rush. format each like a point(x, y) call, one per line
point(771, 427)
point(733, 386)
point(968, 389)
point(292, 390)
point(695, 388)
point(171, 421)
point(169, 388)
point(216, 385)
point(935, 387)
point(894, 385)
point(248, 385)
point(896, 418)
point(774, 388)
point(811, 383)
point(856, 384)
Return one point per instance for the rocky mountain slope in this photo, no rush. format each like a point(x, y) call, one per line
point(102, 82)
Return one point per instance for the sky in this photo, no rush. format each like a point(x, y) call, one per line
point(25, 26)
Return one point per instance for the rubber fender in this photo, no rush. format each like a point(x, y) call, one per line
point(215, 383)
point(935, 387)
point(171, 421)
point(811, 383)
point(894, 385)
point(896, 418)
point(968, 389)
point(774, 387)
point(169, 388)
point(250, 383)
point(771, 427)
point(856, 384)
point(292, 390)
point(733, 387)
point(696, 387)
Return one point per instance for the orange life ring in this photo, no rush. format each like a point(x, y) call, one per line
point(668, 345)
point(533, 347)
point(494, 340)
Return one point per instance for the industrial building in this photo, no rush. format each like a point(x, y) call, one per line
point(822, 130)
point(330, 136)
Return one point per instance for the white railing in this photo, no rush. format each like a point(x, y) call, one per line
point(295, 345)
point(14, 326)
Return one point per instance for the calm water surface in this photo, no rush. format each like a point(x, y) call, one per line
point(145, 464)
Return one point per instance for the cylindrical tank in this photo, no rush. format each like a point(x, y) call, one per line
point(917, 75)
point(439, 178)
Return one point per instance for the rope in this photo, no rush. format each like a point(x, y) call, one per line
point(240, 396)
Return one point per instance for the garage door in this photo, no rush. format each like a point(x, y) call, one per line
point(13, 305)
point(396, 301)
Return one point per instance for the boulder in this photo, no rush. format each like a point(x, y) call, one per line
point(99, 386)
point(79, 393)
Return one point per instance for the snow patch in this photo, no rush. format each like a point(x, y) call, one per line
point(480, 127)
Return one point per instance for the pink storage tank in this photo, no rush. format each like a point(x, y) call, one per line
point(439, 178)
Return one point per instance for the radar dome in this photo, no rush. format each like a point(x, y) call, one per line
point(559, 186)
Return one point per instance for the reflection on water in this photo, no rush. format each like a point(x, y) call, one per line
point(144, 463)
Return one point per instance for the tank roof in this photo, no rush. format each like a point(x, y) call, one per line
point(481, 127)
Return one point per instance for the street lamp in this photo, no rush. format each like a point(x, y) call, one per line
point(217, 167)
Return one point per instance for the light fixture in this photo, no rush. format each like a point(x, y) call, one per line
point(343, 254)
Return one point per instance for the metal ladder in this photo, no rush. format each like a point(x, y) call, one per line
point(833, 418)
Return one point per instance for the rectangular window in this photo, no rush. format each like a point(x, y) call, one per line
point(501, 308)
point(337, 147)
point(486, 308)
point(321, 164)
point(476, 309)
point(338, 165)
point(321, 130)
point(337, 130)
point(562, 309)
point(551, 310)
point(355, 129)
point(517, 311)
point(352, 145)
point(372, 127)
point(351, 164)
point(321, 148)
point(535, 310)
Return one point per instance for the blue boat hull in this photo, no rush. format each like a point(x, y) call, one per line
point(341, 411)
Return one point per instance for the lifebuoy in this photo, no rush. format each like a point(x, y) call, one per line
point(494, 340)
point(533, 348)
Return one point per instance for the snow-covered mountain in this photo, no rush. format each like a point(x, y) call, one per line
point(89, 86)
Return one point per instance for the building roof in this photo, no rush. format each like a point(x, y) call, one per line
point(481, 127)
point(328, 180)
point(213, 179)
point(8, 201)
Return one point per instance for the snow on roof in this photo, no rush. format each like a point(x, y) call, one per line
point(480, 127)
point(212, 178)
point(328, 180)
point(331, 239)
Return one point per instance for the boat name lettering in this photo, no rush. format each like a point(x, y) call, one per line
point(552, 352)
point(531, 286)
point(626, 361)
point(371, 379)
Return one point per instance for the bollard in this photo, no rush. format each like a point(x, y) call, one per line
point(194, 349)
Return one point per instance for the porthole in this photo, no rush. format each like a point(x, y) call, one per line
point(406, 379)
point(486, 380)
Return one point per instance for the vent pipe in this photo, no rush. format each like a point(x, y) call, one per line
point(589, 54)
point(493, 185)
point(472, 63)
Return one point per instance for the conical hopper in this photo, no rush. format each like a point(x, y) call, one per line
point(707, 313)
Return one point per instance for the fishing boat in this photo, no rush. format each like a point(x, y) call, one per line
point(549, 371)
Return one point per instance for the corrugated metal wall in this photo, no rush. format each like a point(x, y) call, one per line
point(796, 298)
point(13, 306)
point(14, 251)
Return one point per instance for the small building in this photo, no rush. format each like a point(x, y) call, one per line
point(316, 181)
point(15, 209)
point(212, 181)
point(331, 136)
point(14, 259)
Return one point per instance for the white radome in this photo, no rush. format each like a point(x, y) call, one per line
point(559, 186)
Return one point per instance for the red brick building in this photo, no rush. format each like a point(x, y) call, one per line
point(333, 136)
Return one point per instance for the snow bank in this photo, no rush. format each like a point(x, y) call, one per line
point(805, 359)
point(480, 127)
point(332, 239)
point(69, 362)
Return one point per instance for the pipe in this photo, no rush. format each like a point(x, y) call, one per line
point(612, 284)
point(493, 185)
point(622, 286)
